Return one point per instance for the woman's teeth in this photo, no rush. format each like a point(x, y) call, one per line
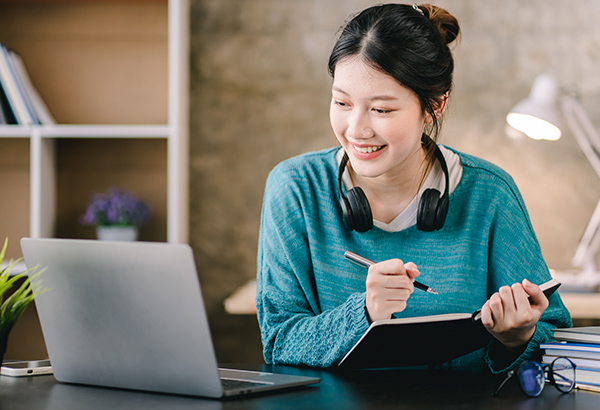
point(368, 149)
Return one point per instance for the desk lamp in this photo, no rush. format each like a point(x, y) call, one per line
point(537, 117)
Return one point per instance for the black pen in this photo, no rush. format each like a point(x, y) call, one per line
point(359, 260)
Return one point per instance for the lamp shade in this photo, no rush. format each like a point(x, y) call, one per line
point(536, 115)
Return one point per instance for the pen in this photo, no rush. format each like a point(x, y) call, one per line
point(361, 261)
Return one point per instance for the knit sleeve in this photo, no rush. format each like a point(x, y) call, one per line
point(515, 254)
point(294, 329)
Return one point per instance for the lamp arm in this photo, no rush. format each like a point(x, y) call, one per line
point(589, 141)
point(583, 130)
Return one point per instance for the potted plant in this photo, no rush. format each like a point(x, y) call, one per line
point(13, 305)
point(117, 215)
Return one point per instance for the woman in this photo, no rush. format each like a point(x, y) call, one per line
point(391, 194)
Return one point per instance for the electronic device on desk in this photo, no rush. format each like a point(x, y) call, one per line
point(133, 312)
point(25, 368)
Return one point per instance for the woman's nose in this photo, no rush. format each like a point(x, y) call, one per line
point(359, 127)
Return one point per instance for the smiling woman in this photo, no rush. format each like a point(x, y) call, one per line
point(421, 209)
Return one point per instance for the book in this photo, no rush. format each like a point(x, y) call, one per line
point(6, 114)
point(425, 340)
point(14, 92)
point(578, 350)
point(588, 387)
point(584, 334)
point(37, 104)
point(586, 371)
point(580, 363)
point(587, 376)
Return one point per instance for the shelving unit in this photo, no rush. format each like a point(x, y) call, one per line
point(115, 76)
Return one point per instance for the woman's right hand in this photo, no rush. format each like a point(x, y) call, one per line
point(389, 285)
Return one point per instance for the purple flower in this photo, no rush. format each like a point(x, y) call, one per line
point(116, 207)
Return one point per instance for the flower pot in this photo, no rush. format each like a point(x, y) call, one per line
point(117, 233)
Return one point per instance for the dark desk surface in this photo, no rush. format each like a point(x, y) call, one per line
point(399, 389)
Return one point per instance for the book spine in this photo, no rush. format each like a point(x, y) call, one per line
point(583, 363)
point(13, 94)
point(7, 112)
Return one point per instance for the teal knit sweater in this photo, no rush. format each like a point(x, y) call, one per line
point(311, 301)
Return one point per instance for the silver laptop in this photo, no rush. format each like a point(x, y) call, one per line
point(131, 315)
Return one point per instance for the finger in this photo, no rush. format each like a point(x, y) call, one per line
point(496, 308)
point(486, 316)
point(508, 301)
point(537, 299)
point(412, 270)
point(389, 267)
point(521, 298)
point(396, 283)
point(396, 295)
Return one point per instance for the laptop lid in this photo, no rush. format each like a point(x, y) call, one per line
point(126, 315)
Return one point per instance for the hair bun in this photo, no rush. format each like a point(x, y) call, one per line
point(445, 22)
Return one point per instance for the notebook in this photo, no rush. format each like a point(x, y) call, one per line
point(131, 315)
point(429, 340)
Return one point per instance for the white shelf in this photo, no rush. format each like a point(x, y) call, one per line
point(42, 147)
point(15, 131)
point(86, 131)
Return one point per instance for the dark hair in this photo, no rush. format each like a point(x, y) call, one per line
point(407, 43)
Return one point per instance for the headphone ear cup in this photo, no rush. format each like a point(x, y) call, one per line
point(442, 211)
point(347, 212)
point(428, 210)
point(360, 210)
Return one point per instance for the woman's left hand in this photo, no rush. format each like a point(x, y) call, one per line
point(510, 316)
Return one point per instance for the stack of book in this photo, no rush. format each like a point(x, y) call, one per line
point(582, 346)
point(20, 103)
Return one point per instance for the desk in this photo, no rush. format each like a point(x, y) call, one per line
point(582, 305)
point(406, 389)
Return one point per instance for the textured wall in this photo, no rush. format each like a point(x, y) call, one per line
point(260, 94)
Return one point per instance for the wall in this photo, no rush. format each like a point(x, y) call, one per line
point(260, 94)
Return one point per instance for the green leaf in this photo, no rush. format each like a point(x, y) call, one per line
point(13, 306)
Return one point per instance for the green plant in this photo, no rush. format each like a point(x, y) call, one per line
point(12, 306)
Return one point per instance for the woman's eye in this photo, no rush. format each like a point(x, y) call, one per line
point(340, 103)
point(381, 111)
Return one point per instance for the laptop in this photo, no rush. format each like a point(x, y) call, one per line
point(131, 315)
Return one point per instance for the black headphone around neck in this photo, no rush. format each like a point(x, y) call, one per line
point(433, 207)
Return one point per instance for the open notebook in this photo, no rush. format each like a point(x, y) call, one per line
point(131, 315)
point(424, 340)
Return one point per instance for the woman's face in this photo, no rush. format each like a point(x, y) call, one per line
point(377, 121)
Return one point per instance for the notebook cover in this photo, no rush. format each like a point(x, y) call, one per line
point(396, 343)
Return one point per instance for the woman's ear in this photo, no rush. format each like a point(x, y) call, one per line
point(439, 106)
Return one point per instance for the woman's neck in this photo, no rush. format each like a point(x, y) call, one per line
point(391, 193)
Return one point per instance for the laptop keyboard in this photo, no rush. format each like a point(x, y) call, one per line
point(240, 384)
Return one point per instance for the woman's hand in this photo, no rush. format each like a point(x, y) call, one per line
point(389, 285)
point(511, 317)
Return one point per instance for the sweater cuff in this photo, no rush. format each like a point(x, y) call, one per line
point(358, 319)
point(501, 360)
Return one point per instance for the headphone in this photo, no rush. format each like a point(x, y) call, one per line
point(433, 207)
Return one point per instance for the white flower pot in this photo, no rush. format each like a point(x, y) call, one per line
point(117, 233)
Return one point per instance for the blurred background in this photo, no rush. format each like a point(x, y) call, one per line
point(260, 93)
